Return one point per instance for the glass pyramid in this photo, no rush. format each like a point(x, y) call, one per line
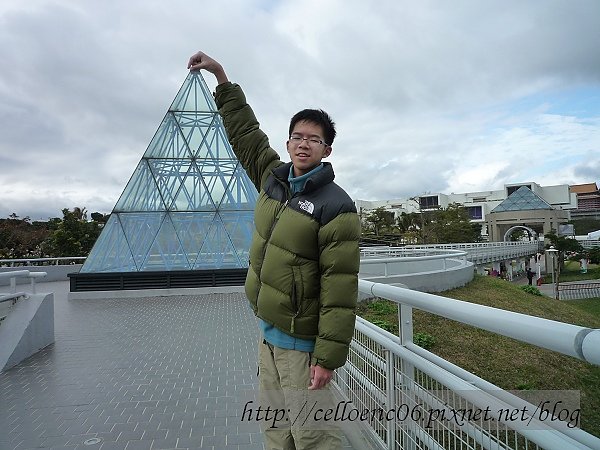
point(523, 199)
point(188, 205)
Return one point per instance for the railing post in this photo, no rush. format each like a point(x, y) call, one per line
point(405, 324)
point(13, 285)
point(407, 383)
point(390, 398)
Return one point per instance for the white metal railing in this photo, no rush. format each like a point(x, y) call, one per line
point(42, 261)
point(13, 275)
point(589, 243)
point(483, 252)
point(386, 372)
point(573, 291)
point(7, 300)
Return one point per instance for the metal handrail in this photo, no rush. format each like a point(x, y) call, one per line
point(580, 342)
point(33, 261)
point(9, 297)
point(573, 340)
point(446, 255)
point(476, 252)
point(543, 435)
point(13, 275)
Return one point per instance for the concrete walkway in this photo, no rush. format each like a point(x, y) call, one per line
point(137, 373)
point(548, 289)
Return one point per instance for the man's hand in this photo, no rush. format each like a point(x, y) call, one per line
point(202, 61)
point(319, 377)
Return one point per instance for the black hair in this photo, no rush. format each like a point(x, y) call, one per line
point(318, 117)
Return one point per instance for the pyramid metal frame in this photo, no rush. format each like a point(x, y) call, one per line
point(523, 199)
point(188, 205)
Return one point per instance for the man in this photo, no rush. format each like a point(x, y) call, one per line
point(304, 258)
point(530, 274)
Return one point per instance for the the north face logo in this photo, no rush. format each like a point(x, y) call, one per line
point(306, 206)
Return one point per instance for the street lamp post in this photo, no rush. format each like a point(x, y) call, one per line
point(553, 253)
point(417, 200)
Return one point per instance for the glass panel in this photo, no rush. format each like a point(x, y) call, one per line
point(217, 177)
point(168, 142)
point(193, 95)
point(215, 146)
point(193, 194)
point(194, 127)
point(166, 252)
point(140, 231)
point(240, 226)
point(192, 228)
point(110, 252)
point(522, 200)
point(169, 175)
point(241, 195)
point(217, 250)
point(141, 193)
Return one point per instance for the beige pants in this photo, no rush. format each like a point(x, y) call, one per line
point(284, 376)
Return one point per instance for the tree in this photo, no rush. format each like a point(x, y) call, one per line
point(585, 225)
point(380, 221)
point(594, 255)
point(563, 244)
point(409, 226)
point(73, 235)
point(99, 217)
point(451, 225)
point(19, 238)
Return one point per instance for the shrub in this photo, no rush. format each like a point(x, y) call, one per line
point(424, 340)
point(531, 290)
point(383, 324)
point(383, 307)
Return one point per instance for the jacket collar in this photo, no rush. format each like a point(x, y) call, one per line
point(318, 180)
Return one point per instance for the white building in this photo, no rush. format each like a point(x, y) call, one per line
point(478, 204)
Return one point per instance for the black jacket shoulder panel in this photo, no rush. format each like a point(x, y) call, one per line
point(321, 198)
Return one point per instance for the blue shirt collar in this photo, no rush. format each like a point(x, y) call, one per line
point(297, 183)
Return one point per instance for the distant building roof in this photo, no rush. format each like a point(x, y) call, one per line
point(586, 188)
point(523, 199)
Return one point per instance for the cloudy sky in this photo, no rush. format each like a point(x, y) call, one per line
point(428, 96)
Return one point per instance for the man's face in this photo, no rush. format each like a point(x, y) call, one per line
point(307, 147)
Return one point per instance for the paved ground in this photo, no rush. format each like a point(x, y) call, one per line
point(145, 373)
point(548, 289)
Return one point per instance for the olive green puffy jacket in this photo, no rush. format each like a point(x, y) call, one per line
point(304, 256)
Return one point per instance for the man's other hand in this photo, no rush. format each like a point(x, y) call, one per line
point(319, 377)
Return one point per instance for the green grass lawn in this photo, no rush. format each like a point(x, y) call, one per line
point(508, 363)
point(591, 305)
point(572, 272)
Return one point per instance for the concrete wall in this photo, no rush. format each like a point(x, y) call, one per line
point(55, 273)
point(28, 328)
point(404, 267)
point(429, 281)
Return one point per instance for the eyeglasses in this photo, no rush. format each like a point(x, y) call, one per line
point(296, 139)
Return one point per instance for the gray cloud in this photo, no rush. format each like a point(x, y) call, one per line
point(590, 170)
point(423, 96)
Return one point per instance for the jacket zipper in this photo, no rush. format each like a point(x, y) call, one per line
point(295, 305)
point(264, 251)
point(297, 295)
